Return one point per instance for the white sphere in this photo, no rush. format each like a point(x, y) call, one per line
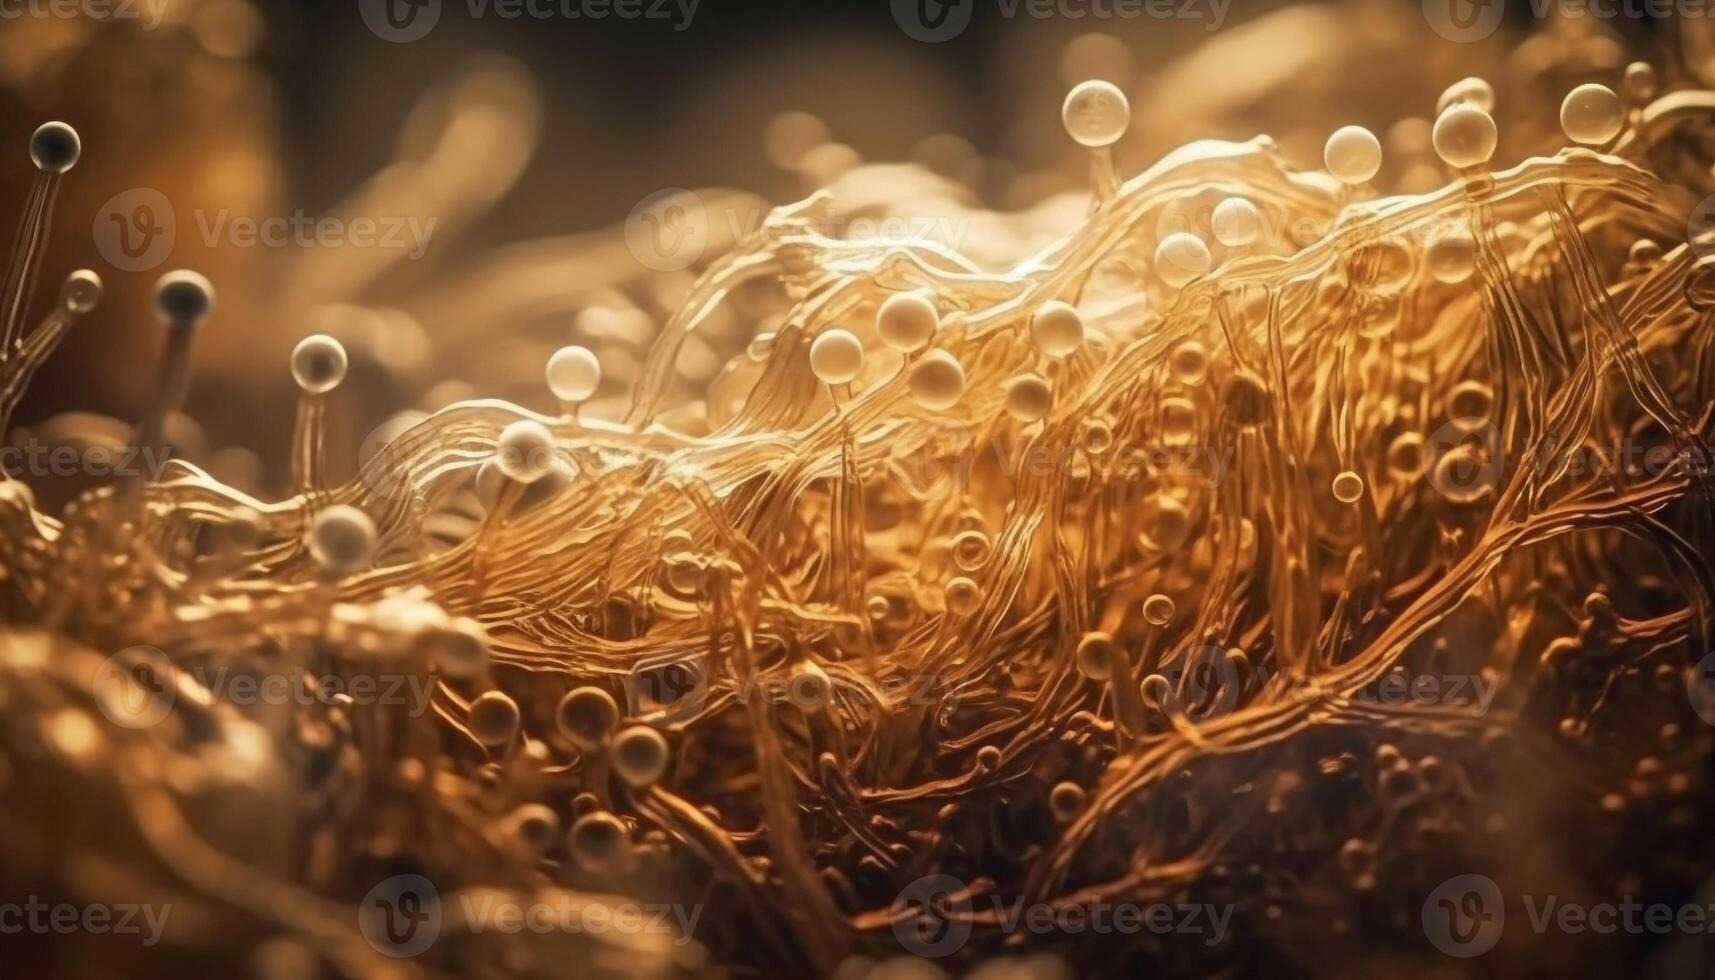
point(573, 373)
point(1352, 154)
point(342, 540)
point(526, 451)
point(836, 356)
point(1182, 257)
point(640, 755)
point(1592, 114)
point(937, 380)
point(1096, 113)
point(907, 322)
point(1029, 397)
point(1467, 91)
point(1236, 222)
point(318, 364)
point(1057, 329)
point(1465, 136)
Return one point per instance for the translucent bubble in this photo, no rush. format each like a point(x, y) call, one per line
point(1465, 136)
point(1352, 154)
point(82, 290)
point(494, 719)
point(1640, 81)
point(1246, 401)
point(342, 540)
point(1469, 405)
point(1236, 222)
point(1095, 655)
point(318, 364)
point(1157, 692)
point(1189, 362)
point(937, 380)
point(1066, 800)
point(1158, 610)
point(1592, 114)
point(1406, 459)
point(963, 596)
point(1029, 398)
point(640, 756)
point(526, 451)
point(533, 827)
point(970, 550)
point(1464, 474)
point(587, 717)
point(1644, 251)
point(907, 322)
point(573, 373)
point(1348, 487)
point(183, 298)
point(1453, 257)
point(55, 147)
point(836, 356)
point(1096, 113)
point(1167, 527)
point(599, 842)
point(1181, 257)
point(1057, 329)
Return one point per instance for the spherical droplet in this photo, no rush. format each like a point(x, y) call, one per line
point(1158, 610)
point(836, 356)
point(1406, 459)
point(1465, 136)
point(1352, 154)
point(907, 322)
point(1592, 114)
point(1236, 222)
point(318, 364)
point(1348, 487)
point(1096, 113)
point(526, 451)
point(963, 596)
point(1189, 362)
point(1095, 655)
point(1029, 398)
point(1469, 405)
point(587, 717)
point(1640, 81)
point(342, 540)
point(494, 719)
point(1057, 329)
point(183, 298)
point(1453, 257)
point(640, 756)
point(937, 380)
point(599, 842)
point(55, 147)
point(81, 291)
point(1066, 800)
point(573, 373)
point(1182, 257)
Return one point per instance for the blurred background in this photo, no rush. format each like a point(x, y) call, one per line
point(519, 147)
